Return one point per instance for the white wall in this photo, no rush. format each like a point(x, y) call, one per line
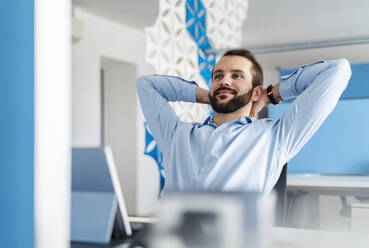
point(271, 75)
point(120, 123)
point(101, 38)
point(104, 38)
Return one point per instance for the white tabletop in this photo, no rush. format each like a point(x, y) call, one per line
point(295, 237)
point(328, 181)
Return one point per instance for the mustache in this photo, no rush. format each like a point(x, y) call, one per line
point(216, 92)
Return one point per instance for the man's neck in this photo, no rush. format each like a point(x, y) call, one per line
point(220, 118)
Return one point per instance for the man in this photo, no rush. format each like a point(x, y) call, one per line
point(231, 152)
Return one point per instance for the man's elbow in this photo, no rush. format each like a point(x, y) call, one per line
point(142, 81)
point(343, 67)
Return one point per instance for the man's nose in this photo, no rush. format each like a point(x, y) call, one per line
point(226, 81)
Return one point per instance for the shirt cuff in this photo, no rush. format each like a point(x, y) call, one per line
point(187, 92)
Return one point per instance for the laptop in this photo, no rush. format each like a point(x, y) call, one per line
point(98, 210)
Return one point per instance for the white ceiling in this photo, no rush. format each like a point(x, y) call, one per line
point(286, 21)
point(294, 21)
point(270, 22)
point(135, 13)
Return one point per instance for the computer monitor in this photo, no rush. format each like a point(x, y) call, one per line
point(98, 208)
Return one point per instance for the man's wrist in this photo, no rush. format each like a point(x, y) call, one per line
point(273, 95)
point(276, 93)
point(202, 95)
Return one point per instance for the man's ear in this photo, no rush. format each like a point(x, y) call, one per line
point(257, 93)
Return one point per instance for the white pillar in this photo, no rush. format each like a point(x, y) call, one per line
point(52, 122)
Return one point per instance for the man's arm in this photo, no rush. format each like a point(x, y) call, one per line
point(317, 89)
point(155, 91)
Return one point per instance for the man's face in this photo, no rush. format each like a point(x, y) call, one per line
point(231, 87)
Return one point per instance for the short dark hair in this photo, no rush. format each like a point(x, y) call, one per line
point(256, 71)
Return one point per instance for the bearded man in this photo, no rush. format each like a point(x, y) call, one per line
point(230, 151)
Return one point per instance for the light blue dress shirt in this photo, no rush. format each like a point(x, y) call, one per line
point(241, 155)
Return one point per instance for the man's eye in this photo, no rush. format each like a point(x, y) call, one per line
point(218, 76)
point(236, 76)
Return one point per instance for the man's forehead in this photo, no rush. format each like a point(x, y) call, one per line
point(233, 62)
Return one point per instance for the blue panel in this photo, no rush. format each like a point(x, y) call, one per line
point(358, 86)
point(359, 82)
point(196, 23)
point(152, 150)
point(340, 146)
point(196, 26)
point(17, 123)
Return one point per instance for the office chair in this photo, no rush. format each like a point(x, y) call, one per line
point(281, 191)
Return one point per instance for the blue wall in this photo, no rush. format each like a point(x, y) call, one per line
point(16, 123)
point(341, 145)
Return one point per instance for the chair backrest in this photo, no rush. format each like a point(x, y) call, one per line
point(281, 191)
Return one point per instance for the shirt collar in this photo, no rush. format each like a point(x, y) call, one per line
point(244, 120)
point(209, 121)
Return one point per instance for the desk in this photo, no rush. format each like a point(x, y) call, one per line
point(316, 184)
point(295, 237)
point(355, 185)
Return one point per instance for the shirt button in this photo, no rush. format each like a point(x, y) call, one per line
point(202, 171)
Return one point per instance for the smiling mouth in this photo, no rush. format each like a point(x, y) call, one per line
point(225, 92)
point(222, 95)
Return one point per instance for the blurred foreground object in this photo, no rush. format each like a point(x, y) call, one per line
point(215, 220)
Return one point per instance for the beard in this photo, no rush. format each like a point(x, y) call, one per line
point(235, 103)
